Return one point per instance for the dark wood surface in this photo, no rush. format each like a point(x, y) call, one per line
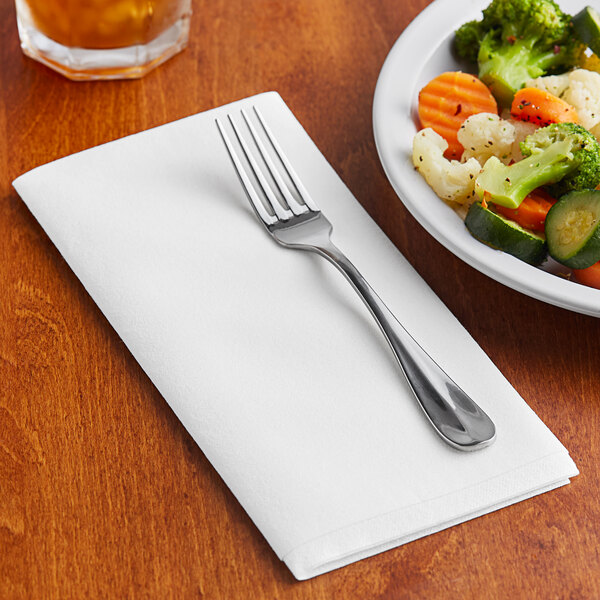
point(102, 492)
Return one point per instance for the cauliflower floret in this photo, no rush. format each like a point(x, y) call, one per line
point(584, 94)
point(452, 181)
point(555, 84)
point(484, 135)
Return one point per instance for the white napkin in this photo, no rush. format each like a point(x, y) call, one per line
point(269, 358)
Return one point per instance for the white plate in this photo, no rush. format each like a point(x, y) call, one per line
point(423, 51)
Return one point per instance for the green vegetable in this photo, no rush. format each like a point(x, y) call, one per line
point(573, 229)
point(518, 40)
point(503, 234)
point(587, 27)
point(562, 156)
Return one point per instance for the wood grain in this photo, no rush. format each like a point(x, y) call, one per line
point(102, 492)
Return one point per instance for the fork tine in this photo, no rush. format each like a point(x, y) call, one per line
point(282, 213)
point(295, 206)
point(288, 166)
point(254, 198)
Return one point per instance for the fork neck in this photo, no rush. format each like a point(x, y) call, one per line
point(334, 255)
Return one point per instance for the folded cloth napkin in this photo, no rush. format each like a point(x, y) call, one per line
point(269, 358)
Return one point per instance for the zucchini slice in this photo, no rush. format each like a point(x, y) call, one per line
point(573, 229)
point(587, 26)
point(503, 234)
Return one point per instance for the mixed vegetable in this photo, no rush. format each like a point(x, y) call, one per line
point(515, 149)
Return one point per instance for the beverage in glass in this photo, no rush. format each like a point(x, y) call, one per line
point(103, 39)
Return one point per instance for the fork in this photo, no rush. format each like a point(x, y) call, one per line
point(291, 216)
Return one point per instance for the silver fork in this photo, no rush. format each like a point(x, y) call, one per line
point(298, 223)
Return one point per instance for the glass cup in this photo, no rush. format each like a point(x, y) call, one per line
point(103, 39)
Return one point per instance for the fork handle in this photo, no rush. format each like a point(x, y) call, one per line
point(453, 414)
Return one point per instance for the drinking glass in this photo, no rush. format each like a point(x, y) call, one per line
point(103, 39)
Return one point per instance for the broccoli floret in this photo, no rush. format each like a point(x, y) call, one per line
point(562, 156)
point(518, 40)
point(467, 40)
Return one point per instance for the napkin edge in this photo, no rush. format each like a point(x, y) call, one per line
point(551, 472)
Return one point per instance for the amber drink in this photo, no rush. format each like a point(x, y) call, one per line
point(103, 39)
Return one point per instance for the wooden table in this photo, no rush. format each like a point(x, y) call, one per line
point(103, 494)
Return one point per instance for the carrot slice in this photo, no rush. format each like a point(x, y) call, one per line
point(450, 98)
point(541, 107)
point(532, 212)
point(589, 276)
